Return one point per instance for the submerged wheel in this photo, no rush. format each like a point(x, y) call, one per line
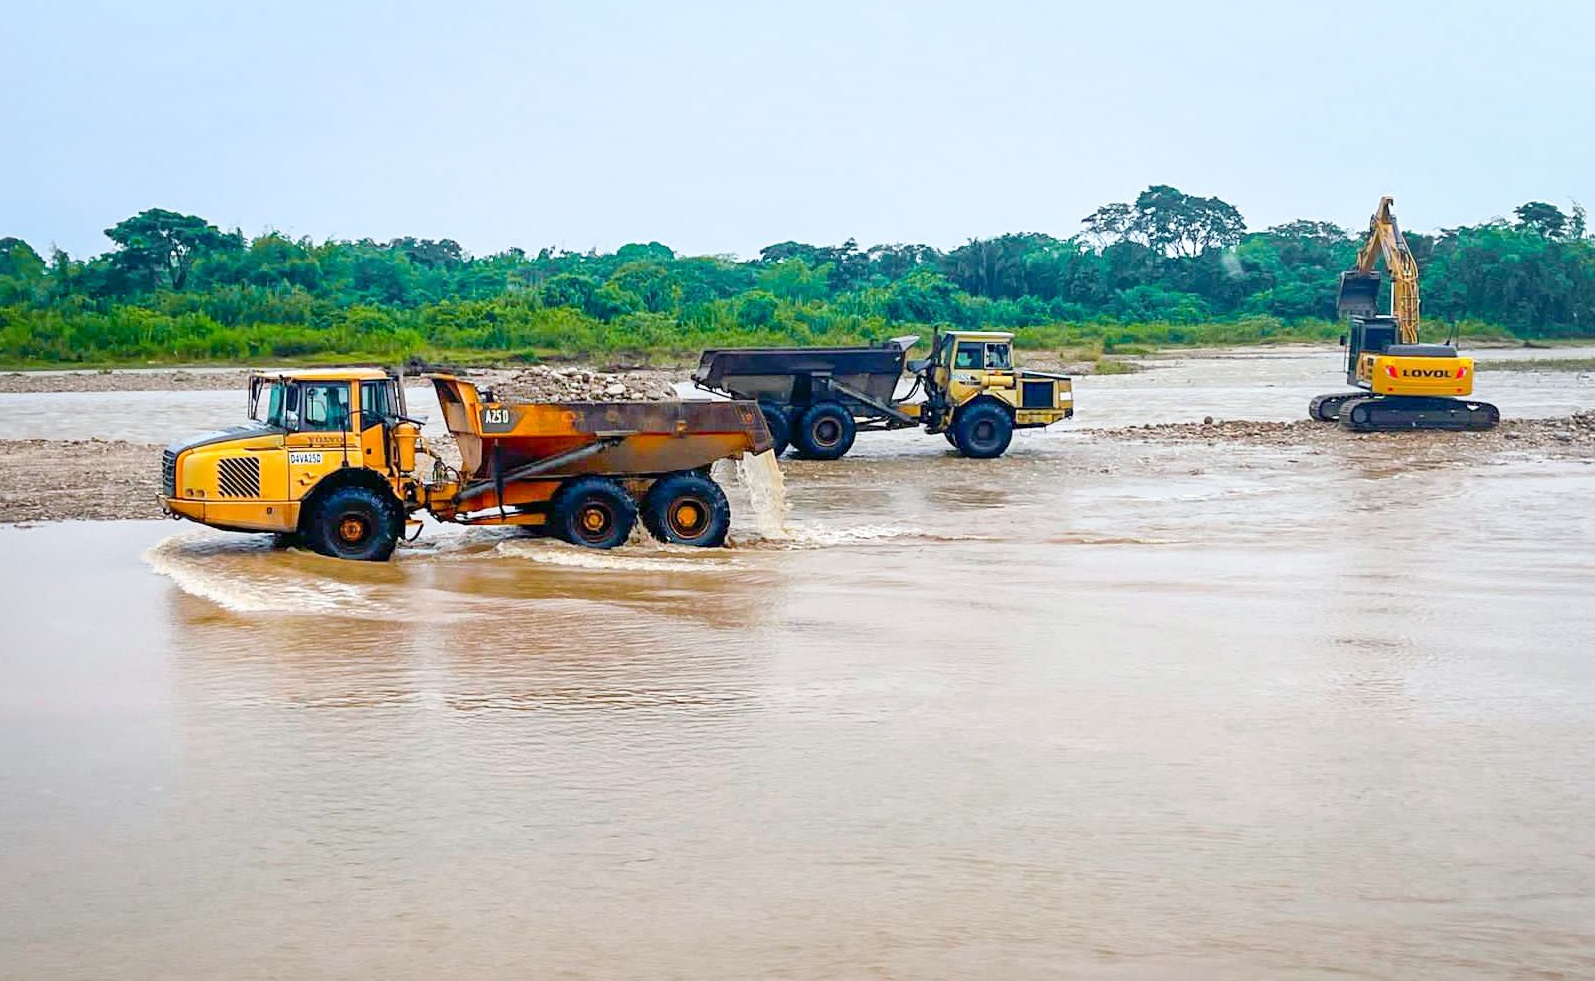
point(825, 431)
point(687, 509)
point(593, 512)
point(354, 523)
point(780, 428)
point(983, 431)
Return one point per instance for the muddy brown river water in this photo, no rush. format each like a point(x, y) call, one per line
point(1102, 708)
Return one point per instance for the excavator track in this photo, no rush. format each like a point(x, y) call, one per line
point(1396, 413)
point(1326, 408)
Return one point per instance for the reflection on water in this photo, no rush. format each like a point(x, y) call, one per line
point(1092, 709)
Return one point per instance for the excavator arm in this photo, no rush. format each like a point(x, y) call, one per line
point(1359, 287)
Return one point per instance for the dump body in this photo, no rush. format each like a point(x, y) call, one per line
point(620, 439)
point(784, 375)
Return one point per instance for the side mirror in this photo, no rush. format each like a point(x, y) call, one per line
point(1342, 340)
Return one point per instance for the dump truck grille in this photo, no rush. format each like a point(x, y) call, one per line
point(1038, 395)
point(169, 473)
point(238, 476)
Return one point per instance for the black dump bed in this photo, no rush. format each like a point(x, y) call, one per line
point(784, 375)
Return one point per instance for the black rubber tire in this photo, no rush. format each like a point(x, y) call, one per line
point(983, 431)
point(825, 431)
point(355, 523)
point(593, 512)
point(780, 428)
point(687, 509)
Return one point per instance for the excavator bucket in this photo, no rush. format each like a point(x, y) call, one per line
point(1359, 294)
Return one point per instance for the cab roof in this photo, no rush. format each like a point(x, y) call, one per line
point(326, 374)
point(982, 335)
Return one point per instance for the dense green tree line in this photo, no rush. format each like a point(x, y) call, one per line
point(1167, 267)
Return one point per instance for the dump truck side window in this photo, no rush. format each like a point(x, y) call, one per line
point(325, 407)
point(999, 356)
point(375, 404)
point(971, 354)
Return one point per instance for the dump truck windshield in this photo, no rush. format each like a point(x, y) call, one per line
point(999, 356)
point(273, 411)
point(307, 407)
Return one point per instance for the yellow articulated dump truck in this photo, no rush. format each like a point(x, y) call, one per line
point(329, 458)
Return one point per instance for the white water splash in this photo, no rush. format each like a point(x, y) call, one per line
point(572, 557)
point(761, 475)
point(806, 536)
point(198, 564)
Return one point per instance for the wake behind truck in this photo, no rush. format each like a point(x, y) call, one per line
point(330, 459)
point(817, 399)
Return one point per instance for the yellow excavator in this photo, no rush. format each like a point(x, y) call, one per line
point(1401, 383)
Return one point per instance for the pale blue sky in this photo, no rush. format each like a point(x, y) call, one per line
point(723, 127)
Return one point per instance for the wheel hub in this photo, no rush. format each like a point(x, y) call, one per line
point(594, 521)
point(687, 517)
point(352, 529)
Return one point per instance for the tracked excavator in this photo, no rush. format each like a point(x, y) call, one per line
point(1401, 383)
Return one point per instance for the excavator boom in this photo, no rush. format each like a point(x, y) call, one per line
point(1359, 286)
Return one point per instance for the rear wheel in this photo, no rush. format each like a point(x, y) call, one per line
point(354, 523)
point(983, 431)
point(687, 509)
point(780, 428)
point(593, 512)
point(825, 431)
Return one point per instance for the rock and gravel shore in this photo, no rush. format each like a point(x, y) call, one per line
point(1574, 434)
point(112, 479)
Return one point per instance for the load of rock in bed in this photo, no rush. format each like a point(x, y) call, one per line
point(548, 383)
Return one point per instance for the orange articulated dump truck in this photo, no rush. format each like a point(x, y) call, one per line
point(330, 457)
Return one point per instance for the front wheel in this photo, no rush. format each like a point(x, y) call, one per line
point(354, 523)
point(593, 512)
point(983, 431)
point(687, 509)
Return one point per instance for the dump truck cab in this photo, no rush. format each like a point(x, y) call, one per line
point(313, 436)
point(976, 396)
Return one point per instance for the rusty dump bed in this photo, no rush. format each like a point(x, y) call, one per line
point(504, 442)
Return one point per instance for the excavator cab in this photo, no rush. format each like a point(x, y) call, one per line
point(1359, 294)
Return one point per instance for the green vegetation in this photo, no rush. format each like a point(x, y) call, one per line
point(1165, 269)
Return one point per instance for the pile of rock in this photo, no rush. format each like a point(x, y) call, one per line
point(546, 383)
